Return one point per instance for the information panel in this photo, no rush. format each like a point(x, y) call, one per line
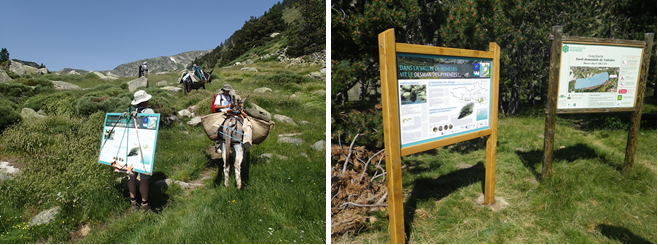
point(598, 76)
point(122, 141)
point(442, 96)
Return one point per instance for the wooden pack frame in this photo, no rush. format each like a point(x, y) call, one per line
point(388, 49)
point(554, 77)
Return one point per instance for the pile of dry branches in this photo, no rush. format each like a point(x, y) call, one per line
point(358, 186)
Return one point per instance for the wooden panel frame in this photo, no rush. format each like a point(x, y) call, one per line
point(388, 50)
point(551, 107)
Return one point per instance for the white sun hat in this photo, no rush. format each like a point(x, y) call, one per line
point(140, 96)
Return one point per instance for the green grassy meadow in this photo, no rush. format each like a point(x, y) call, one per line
point(282, 201)
point(589, 199)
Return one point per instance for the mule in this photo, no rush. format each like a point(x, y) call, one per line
point(233, 132)
point(188, 83)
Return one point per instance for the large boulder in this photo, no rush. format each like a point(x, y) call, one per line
point(162, 83)
point(136, 83)
point(59, 85)
point(195, 121)
point(249, 69)
point(111, 76)
point(29, 113)
point(4, 77)
point(284, 119)
point(42, 71)
point(20, 69)
point(7, 171)
point(73, 72)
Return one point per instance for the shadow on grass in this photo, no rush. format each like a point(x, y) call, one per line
point(469, 146)
point(438, 188)
point(621, 234)
point(572, 153)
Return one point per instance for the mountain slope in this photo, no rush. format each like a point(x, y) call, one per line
point(159, 64)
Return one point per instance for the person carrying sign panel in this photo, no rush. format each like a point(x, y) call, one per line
point(141, 103)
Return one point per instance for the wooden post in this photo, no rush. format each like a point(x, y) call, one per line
point(492, 141)
point(631, 143)
point(391, 129)
point(551, 106)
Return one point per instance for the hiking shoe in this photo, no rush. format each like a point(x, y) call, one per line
point(133, 205)
point(146, 208)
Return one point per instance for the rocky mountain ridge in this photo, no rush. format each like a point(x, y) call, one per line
point(159, 64)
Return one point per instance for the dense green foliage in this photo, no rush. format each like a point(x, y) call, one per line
point(9, 112)
point(309, 35)
point(520, 27)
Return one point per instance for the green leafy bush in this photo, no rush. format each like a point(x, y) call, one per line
point(369, 124)
point(91, 75)
point(16, 90)
point(283, 77)
point(9, 113)
point(161, 101)
point(105, 100)
point(59, 103)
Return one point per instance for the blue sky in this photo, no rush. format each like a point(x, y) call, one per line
point(100, 35)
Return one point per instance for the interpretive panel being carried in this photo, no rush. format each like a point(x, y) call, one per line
point(598, 76)
point(442, 96)
point(128, 143)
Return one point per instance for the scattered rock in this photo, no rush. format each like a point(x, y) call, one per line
point(316, 75)
point(319, 92)
point(284, 119)
point(562, 147)
point(252, 109)
point(262, 90)
point(249, 69)
point(195, 121)
point(162, 83)
point(112, 76)
point(304, 122)
point(174, 90)
point(290, 140)
point(7, 171)
point(269, 156)
point(185, 113)
point(168, 182)
point(136, 83)
point(4, 77)
point(323, 71)
point(45, 217)
point(59, 85)
point(289, 135)
point(29, 113)
point(464, 166)
point(320, 145)
point(41, 112)
point(43, 71)
point(73, 72)
point(274, 34)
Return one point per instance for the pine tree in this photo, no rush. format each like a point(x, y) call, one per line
point(4, 55)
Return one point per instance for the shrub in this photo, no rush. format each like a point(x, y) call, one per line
point(105, 100)
point(91, 75)
point(161, 101)
point(9, 114)
point(59, 103)
point(369, 124)
point(16, 90)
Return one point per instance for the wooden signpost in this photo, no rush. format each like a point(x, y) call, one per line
point(594, 75)
point(433, 97)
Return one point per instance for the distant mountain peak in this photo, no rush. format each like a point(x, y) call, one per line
point(159, 64)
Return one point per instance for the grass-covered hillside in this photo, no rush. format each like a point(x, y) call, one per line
point(588, 199)
point(283, 200)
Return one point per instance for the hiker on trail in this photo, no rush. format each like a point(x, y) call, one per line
point(222, 103)
point(141, 102)
point(145, 70)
